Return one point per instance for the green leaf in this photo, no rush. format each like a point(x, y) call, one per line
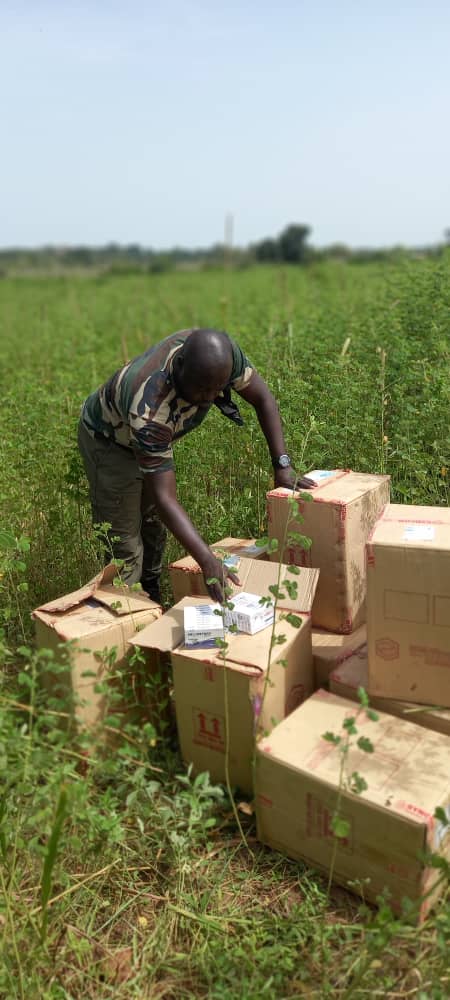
point(331, 738)
point(7, 539)
point(363, 697)
point(294, 570)
point(276, 591)
point(372, 715)
point(340, 827)
point(357, 783)
point(212, 579)
point(441, 815)
point(349, 725)
point(293, 620)
point(50, 857)
point(277, 640)
point(365, 744)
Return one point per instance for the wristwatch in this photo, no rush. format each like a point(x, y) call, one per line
point(281, 462)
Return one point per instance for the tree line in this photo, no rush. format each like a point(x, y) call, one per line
point(291, 246)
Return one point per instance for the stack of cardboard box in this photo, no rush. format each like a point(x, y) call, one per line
point(294, 687)
point(392, 563)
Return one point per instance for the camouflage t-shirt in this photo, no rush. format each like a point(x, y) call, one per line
point(138, 407)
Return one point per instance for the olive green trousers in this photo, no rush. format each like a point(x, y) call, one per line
point(136, 535)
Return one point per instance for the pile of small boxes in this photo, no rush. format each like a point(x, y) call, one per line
point(371, 611)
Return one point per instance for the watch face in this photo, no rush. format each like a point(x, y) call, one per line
point(284, 461)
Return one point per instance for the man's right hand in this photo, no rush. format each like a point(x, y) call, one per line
point(214, 569)
point(160, 490)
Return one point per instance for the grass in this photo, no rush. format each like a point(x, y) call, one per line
point(121, 876)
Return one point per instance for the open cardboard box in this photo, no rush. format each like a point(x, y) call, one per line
point(82, 629)
point(353, 672)
point(219, 710)
point(390, 824)
point(338, 519)
point(186, 577)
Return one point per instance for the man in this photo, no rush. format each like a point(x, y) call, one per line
point(126, 432)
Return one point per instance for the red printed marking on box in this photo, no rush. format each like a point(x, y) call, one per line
point(432, 657)
point(319, 823)
point(412, 810)
point(265, 801)
point(209, 729)
point(387, 649)
point(322, 751)
point(403, 871)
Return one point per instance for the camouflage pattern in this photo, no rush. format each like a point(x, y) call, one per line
point(139, 409)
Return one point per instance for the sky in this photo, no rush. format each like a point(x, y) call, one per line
point(150, 122)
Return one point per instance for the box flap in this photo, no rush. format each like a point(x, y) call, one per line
point(256, 577)
point(252, 651)
point(167, 633)
point(101, 589)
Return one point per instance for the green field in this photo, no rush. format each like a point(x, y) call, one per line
point(153, 900)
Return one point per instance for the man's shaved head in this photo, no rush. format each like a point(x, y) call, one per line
point(208, 353)
point(204, 365)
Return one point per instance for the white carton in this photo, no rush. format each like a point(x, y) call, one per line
point(248, 614)
point(203, 624)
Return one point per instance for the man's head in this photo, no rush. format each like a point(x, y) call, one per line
point(203, 366)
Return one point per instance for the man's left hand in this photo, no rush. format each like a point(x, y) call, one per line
point(288, 479)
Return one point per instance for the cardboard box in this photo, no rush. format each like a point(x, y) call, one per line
point(353, 673)
point(186, 577)
point(93, 621)
point(219, 710)
point(408, 623)
point(390, 823)
point(331, 648)
point(338, 519)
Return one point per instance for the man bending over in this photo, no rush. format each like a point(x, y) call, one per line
point(126, 432)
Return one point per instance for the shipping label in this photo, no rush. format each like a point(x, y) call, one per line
point(418, 533)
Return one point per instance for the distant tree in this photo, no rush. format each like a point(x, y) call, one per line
point(267, 250)
point(293, 245)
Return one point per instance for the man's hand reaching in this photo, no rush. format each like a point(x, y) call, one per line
point(291, 481)
point(214, 569)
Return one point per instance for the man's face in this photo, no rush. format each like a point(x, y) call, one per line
point(203, 395)
point(196, 387)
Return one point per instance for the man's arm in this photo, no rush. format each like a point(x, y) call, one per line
point(258, 394)
point(160, 490)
